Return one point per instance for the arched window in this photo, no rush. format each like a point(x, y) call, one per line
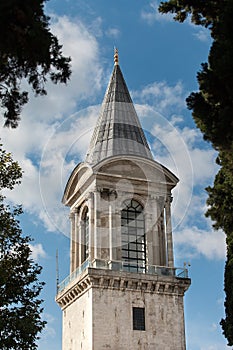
point(133, 240)
point(85, 240)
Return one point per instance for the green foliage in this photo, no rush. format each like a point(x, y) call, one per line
point(28, 50)
point(212, 105)
point(212, 110)
point(202, 12)
point(227, 323)
point(220, 195)
point(220, 210)
point(10, 171)
point(20, 316)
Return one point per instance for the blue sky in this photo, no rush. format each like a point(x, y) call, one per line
point(159, 59)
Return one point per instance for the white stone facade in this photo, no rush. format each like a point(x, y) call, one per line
point(123, 291)
point(97, 303)
point(97, 311)
point(103, 190)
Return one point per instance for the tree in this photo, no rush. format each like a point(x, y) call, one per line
point(212, 105)
point(212, 110)
point(20, 306)
point(28, 51)
point(220, 210)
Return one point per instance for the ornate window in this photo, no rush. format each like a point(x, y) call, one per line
point(85, 236)
point(133, 237)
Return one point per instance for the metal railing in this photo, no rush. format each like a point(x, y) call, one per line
point(125, 266)
point(73, 275)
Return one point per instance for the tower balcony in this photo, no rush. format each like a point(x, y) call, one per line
point(124, 266)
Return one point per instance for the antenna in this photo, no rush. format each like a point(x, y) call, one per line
point(57, 270)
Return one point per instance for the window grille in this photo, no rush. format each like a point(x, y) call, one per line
point(139, 318)
point(133, 237)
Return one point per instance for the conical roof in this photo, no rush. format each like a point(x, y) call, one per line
point(118, 130)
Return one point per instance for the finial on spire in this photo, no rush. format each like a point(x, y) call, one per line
point(116, 58)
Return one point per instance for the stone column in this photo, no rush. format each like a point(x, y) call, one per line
point(154, 228)
point(72, 241)
point(112, 226)
point(161, 231)
point(170, 257)
point(77, 241)
point(149, 234)
point(80, 229)
point(117, 253)
point(91, 225)
point(103, 227)
point(96, 215)
point(110, 233)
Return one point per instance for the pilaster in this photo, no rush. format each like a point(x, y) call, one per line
point(161, 231)
point(91, 224)
point(170, 257)
point(72, 242)
point(97, 245)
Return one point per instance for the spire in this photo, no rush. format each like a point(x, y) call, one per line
point(118, 130)
point(116, 58)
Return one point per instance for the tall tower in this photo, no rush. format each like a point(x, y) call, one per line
point(123, 291)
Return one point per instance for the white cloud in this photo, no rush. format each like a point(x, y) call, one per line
point(48, 127)
point(96, 27)
point(202, 35)
point(193, 242)
point(203, 333)
point(86, 76)
point(176, 148)
point(152, 14)
point(113, 32)
point(214, 327)
point(51, 140)
point(179, 148)
point(215, 347)
point(164, 96)
point(61, 154)
point(220, 301)
point(43, 183)
point(37, 251)
point(49, 331)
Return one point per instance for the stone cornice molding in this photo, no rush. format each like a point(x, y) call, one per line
point(108, 279)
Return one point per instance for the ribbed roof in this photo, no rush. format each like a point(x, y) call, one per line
point(118, 130)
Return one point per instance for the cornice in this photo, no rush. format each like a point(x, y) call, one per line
point(108, 279)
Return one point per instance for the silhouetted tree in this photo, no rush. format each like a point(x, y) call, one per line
point(212, 110)
point(20, 305)
point(28, 50)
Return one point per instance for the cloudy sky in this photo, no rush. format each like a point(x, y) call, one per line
point(159, 59)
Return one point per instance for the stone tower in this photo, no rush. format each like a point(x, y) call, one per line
point(123, 291)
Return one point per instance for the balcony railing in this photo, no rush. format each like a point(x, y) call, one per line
point(126, 267)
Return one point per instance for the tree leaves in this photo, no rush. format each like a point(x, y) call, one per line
point(20, 306)
point(28, 50)
point(220, 210)
point(212, 110)
point(10, 171)
point(203, 13)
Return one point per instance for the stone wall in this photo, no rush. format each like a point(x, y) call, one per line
point(77, 324)
point(97, 311)
point(113, 321)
